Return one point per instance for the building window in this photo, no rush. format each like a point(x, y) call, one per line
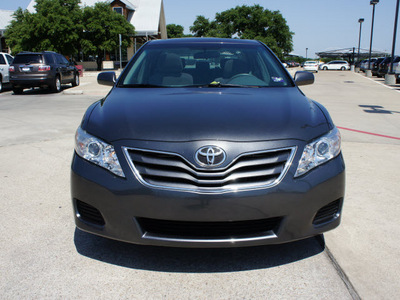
point(118, 10)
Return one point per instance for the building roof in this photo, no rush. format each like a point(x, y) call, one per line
point(5, 18)
point(129, 5)
point(146, 15)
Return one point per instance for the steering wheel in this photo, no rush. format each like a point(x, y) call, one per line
point(239, 75)
point(246, 79)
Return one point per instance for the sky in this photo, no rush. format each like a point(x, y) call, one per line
point(317, 24)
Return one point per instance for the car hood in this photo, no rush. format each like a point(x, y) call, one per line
point(189, 114)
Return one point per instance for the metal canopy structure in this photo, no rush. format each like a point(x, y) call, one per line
point(350, 53)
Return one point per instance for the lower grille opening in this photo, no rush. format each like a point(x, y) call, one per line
point(327, 213)
point(89, 213)
point(209, 230)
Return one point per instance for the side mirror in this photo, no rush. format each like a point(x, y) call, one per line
point(107, 78)
point(303, 78)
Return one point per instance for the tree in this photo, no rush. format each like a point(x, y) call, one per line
point(62, 26)
point(174, 31)
point(102, 27)
point(248, 22)
point(56, 26)
point(201, 27)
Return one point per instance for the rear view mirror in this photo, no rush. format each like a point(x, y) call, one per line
point(303, 78)
point(106, 78)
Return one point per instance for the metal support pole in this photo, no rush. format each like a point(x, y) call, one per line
point(120, 51)
point(359, 40)
point(372, 32)
point(394, 36)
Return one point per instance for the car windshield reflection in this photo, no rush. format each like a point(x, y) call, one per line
point(197, 66)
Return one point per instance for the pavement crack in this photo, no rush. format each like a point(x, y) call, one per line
point(352, 291)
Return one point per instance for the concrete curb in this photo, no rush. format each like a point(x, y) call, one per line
point(72, 92)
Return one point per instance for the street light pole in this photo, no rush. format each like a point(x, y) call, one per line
point(306, 53)
point(361, 20)
point(390, 77)
point(120, 51)
point(373, 3)
point(394, 35)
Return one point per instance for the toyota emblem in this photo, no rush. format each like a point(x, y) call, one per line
point(210, 156)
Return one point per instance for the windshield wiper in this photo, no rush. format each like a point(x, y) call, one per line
point(219, 84)
point(212, 84)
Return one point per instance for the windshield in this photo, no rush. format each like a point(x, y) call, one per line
point(205, 65)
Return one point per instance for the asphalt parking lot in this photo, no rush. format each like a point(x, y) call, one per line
point(43, 256)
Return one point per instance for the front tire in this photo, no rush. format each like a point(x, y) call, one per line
point(325, 68)
point(17, 91)
point(342, 68)
point(1, 85)
point(75, 82)
point(56, 86)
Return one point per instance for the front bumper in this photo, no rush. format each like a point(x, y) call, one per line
point(124, 209)
point(315, 69)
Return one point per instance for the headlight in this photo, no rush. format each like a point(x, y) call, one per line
point(98, 152)
point(320, 151)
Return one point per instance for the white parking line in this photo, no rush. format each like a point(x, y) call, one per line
point(382, 84)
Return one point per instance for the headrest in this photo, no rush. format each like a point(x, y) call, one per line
point(235, 66)
point(171, 64)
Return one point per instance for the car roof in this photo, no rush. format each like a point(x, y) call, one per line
point(180, 41)
point(31, 52)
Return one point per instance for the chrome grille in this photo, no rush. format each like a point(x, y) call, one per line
point(261, 169)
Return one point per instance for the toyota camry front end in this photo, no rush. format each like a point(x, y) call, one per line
point(207, 143)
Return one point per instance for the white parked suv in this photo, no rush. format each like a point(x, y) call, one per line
point(5, 62)
point(311, 66)
point(336, 65)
